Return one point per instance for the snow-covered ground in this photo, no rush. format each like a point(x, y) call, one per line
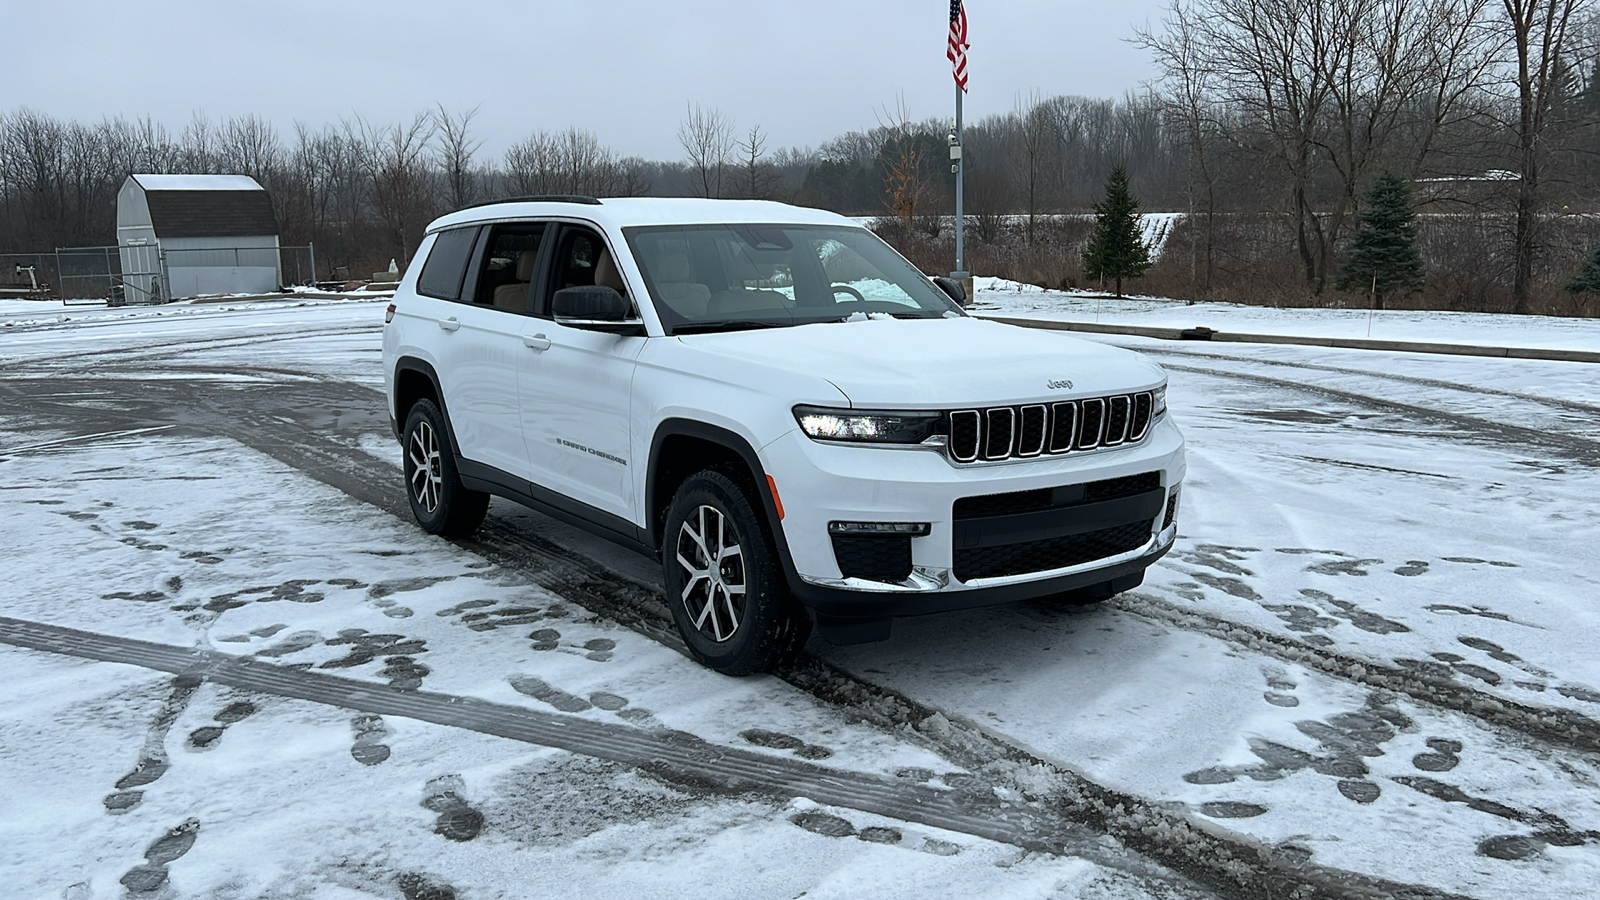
point(999, 297)
point(1371, 663)
point(1156, 227)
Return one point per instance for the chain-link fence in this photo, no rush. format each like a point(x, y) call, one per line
point(140, 274)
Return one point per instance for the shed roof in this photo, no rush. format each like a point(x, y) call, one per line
point(207, 205)
point(197, 182)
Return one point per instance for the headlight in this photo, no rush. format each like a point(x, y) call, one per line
point(1159, 402)
point(867, 426)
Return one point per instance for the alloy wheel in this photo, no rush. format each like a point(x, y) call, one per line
point(715, 580)
point(427, 475)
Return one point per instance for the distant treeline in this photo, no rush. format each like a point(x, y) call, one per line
point(1270, 121)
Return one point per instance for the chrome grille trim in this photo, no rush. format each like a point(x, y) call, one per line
point(1029, 431)
point(966, 431)
point(1063, 425)
point(1092, 425)
point(1035, 420)
point(1119, 413)
point(1000, 424)
point(1139, 419)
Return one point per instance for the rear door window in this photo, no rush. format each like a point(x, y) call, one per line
point(510, 264)
point(446, 266)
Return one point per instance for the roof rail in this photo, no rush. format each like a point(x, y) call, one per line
point(537, 198)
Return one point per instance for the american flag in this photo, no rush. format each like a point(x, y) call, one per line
point(957, 48)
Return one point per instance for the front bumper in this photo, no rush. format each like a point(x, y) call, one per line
point(822, 483)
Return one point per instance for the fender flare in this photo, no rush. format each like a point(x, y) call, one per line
point(741, 447)
point(412, 364)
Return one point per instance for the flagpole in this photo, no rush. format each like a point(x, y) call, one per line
point(959, 165)
point(956, 52)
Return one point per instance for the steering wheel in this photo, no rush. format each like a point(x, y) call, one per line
point(847, 289)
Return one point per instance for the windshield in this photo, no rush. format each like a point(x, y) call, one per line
point(728, 277)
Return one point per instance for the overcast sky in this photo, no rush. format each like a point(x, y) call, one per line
point(625, 69)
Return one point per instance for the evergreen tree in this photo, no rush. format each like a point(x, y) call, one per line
point(1588, 278)
point(1117, 249)
point(1384, 246)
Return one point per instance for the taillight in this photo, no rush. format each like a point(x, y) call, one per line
point(388, 314)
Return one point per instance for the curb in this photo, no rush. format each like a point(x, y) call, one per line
point(1185, 334)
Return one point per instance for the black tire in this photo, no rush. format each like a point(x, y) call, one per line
point(439, 502)
point(734, 633)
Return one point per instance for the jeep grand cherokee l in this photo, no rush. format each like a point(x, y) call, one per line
point(804, 429)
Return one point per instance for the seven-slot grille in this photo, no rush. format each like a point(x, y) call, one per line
point(1038, 429)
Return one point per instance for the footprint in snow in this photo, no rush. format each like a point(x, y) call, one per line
point(153, 762)
point(544, 693)
point(458, 821)
point(204, 737)
point(164, 850)
point(776, 740)
point(417, 886)
point(369, 748)
point(1443, 758)
point(1356, 567)
point(837, 827)
point(1279, 686)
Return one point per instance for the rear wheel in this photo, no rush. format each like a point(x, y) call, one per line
point(439, 502)
point(728, 596)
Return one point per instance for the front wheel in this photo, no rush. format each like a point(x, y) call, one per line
point(439, 502)
point(728, 596)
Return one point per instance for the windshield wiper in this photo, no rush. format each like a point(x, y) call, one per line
point(732, 325)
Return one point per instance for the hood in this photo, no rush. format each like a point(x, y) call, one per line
point(941, 363)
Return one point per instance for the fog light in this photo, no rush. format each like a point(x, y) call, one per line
point(914, 529)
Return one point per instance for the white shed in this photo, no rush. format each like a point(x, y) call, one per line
point(187, 235)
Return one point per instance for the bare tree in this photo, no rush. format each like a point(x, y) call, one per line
point(454, 154)
point(1034, 132)
point(633, 177)
point(1321, 87)
point(1538, 33)
point(569, 162)
point(757, 177)
point(707, 137)
point(402, 187)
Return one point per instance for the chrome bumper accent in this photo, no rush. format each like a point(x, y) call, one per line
point(927, 580)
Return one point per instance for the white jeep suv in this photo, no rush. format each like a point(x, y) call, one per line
point(803, 428)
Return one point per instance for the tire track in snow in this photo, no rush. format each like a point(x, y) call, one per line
point(1233, 865)
point(1053, 825)
point(641, 607)
point(1571, 406)
point(1582, 450)
point(179, 347)
point(1559, 727)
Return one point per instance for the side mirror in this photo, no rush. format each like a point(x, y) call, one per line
point(953, 288)
point(594, 307)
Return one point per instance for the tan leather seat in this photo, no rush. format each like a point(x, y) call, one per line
point(674, 286)
point(514, 296)
point(606, 274)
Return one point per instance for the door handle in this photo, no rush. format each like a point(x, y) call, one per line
point(536, 342)
point(450, 324)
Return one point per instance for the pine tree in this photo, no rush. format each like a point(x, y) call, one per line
point(1383, 249)
point(1117, 249)
point(1588, 278)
